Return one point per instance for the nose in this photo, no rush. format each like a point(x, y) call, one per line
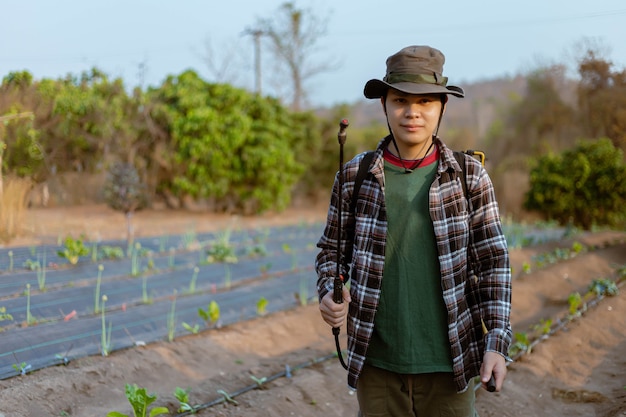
point(412, 111)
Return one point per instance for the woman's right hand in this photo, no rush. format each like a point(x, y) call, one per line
point(335, 314)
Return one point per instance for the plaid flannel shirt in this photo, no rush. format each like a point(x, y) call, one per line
point(463, 230)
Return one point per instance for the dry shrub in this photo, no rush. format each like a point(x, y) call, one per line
point(13, 206)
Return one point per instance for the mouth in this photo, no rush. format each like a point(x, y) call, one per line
point(412, 128)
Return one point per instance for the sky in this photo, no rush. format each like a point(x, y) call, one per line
point(144, 41)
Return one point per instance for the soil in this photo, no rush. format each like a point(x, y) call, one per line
point(579, 371)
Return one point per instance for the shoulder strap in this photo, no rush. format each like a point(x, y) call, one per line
point(460, 158)
point(360, 176)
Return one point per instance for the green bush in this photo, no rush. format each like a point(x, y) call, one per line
point(584, 186)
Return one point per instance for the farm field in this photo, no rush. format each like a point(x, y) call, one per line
point(577, 371)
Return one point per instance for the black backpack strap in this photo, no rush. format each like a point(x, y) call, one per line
point(460, 158)
point(360, 176)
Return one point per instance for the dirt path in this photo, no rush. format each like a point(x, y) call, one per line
point(577, 372)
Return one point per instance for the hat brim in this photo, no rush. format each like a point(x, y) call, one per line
point(378, 88)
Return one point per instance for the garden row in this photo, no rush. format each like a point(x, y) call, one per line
point(59, 310)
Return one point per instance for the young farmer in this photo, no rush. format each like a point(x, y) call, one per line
point(428, 258)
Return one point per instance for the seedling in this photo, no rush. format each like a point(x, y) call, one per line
point(261, 306)
point(162, 243)
point(191, 329)
point(211, 315)
point(140, 400)
point(182, 395)
point(227, 397)
point(171, 320)
point(105, 337)
point(112, 252)
point(294, 260)
point(94, 252)
point(4, 315)
point(188, 239)
point(259, 381)
point(144, 290)
point(29, 318)
point(194, 277)
point(31, 265)
point(544, 326)
point(96, 303)
point(303, 294)
point(22, 368)
point(73, 250)
point(134, 260)
point(41, 274)
point(227, 276)
point(265, 268)
point(10, 253)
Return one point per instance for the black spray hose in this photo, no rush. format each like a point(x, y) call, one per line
point(338, 282)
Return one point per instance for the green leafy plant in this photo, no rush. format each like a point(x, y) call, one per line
point(544, 326)
point(521, 344)
point(211, 315)
point(111, 252)
point(602, 287)
point(140, 400)
point(221, 250)
point(73, 249)
point(31, 265)
point(182, 395)
point(22, 368)
point(4, 315)
point(574, 301)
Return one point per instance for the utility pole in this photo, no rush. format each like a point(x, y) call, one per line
point(256, 35)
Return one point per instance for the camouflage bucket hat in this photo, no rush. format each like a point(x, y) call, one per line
point(413, 70)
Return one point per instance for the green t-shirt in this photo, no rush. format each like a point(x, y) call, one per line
point(410, 328)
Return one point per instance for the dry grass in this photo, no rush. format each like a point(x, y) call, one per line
point(13, 206)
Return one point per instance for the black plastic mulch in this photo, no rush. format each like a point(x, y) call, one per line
point(274, 264)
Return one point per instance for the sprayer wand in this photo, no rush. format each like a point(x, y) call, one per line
point(338, 282)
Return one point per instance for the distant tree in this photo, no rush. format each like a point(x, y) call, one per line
point(293, 35)
point(602, 99)
point(125, 192)
point(584, 186)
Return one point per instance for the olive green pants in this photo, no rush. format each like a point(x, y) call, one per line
point(384, 393)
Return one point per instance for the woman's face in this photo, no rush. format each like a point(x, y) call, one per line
point(413, 119)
